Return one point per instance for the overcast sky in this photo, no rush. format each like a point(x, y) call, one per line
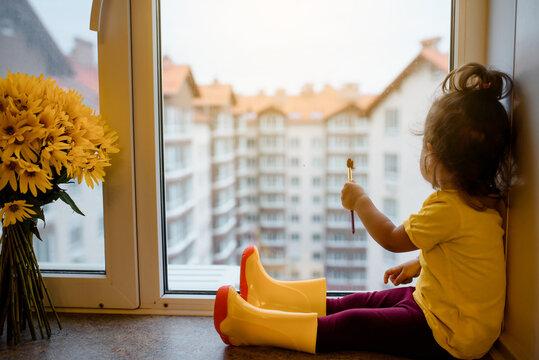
point(264, 45)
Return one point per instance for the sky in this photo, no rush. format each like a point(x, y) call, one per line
point(267, 45)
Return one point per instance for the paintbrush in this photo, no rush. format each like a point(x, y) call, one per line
point(350, 165)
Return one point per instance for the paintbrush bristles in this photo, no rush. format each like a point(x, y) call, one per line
point(350, 163)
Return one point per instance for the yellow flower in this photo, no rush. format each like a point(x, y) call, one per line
point(93, 172)
point(11, 128)
point(9, 170)
point(33, 178)
point(15, 211)
point(27, 147)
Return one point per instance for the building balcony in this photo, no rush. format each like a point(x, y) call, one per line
point(279, 243)
point(223, 158)
point(225, 228)
point(272, 188)
point(271, 131)
point(272, 205)
point(346, 244)
point(272, 224)
point(175, 138)
point(242, 172)
point(339, 224)
point(271, 150)
point(246, 228)
point(182, 245)
point(245, 191)
point(177, 174)
point(247, 208)
point(224, 208)
point(220, 133)
point(273, 260)
point(345, 283)
point(226, 253)
point(346, 263)
point(178, 211)
point(223, 183)
point(334, 205)
point(272, 169)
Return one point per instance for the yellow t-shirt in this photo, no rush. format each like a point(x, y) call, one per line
point(461, 288)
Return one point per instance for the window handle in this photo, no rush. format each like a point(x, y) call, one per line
point(95, 16)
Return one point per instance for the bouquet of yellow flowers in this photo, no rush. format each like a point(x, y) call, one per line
point(47, 138)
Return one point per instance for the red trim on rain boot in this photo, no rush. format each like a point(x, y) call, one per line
point(244, 287)
point(220, 310)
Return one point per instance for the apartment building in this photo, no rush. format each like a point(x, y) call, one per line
point(187, 206)
point(215, 103)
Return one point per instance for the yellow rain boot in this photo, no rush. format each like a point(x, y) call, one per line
point(240, 323)
point(261, 290)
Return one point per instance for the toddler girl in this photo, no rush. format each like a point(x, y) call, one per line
point(456, 308)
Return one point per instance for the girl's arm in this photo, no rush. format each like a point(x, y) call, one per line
point(383, 231)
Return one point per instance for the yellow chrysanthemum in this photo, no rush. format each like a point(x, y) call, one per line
point(9, 171)
point(33, 178)
point(27, 148)
point(93, 172)
point(12, 128)
point(14, 211)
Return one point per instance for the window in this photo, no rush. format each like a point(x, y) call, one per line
point(392, 122)
point(391, 167)
point(285, 124)
point(77, 253)
point(390, 209)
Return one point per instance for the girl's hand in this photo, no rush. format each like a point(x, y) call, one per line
point(403, 273)
point(351, 193)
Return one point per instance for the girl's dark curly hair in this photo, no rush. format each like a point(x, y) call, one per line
point(469, 131)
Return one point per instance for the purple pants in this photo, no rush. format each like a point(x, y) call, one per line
point(388, 321)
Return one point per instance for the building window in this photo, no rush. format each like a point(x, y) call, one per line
point(317, 182)
point(316, 143)
point(294, 199)
point(391, 167)
point(294, 181)
point(390, 209)
point(294, 218)
point(316, 237)
point(294, 162)
point(317, 199)
point(295, 237)
point(317, 219)
point(294, 143)
point(316, 256)
point(392, 122)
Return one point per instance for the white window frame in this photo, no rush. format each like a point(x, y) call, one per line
point(118, 288)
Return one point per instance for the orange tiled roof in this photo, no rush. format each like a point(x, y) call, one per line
point(215, 95)
point(175, 75)
point(309, 106)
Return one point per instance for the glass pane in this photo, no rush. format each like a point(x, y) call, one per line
point(33, 41)
point(263, 103)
